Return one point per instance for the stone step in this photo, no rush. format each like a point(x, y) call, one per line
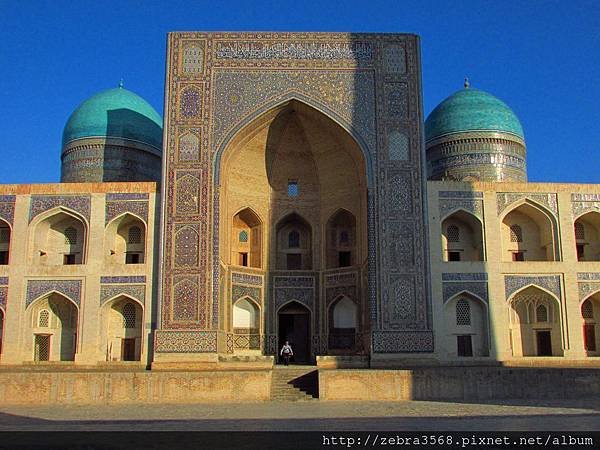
point(294, 384)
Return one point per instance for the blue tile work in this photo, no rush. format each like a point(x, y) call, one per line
point(471, 110)
point(124, 279)
point(68, 288)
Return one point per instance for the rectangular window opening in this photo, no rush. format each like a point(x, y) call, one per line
point(3, 258)
point(69, 259)
point(464, 345)
point(589, 337)
point(345, 259)
point(243, 259)
point(518, 256)
point(133, 258)
point(580, 252)
point(453, 256)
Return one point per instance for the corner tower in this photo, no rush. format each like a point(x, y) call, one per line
point(474, 136)
point(114, 135)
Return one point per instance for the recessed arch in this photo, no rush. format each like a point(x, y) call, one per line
point(49, 243)
point(462, 237)
point(55, 339)
point(119, 248)
point(530, 335)
point(5, 240)
point(289, 255)
point(343, 323)
point(122, 328)
point(342, 239)
point(587, 236)
point(539, 228)
point(294, 326)
point(246, 238)
point(590, 317)
point(466, 323)
point(262, 114)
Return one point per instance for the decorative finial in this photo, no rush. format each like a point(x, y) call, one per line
point(121, 84)
point(467, 84)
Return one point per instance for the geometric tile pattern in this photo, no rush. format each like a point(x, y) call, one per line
point(513, 283)
point(69, 288)
point(185, 341)
point(41, 203)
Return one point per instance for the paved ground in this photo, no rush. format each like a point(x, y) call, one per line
point(582, 415)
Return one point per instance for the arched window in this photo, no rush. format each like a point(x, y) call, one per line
point(541, 313)
point(243, 236)
point(579, 231)
point(134, 235)
point(70, 236)
point(44, 319)
point(463, 312)
point(516, 233)
point(453, 233)
point(293, 239)
point(587, 310)
point(129, 315)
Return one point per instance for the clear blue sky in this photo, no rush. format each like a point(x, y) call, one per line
point(541, 57)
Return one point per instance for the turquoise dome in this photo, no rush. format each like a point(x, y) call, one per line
point(117, 113)
point(471, 110)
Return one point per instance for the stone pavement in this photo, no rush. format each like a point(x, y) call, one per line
point(582, 415)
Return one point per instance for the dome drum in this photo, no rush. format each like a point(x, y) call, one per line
point(112, 136)
point(473, 136)
point(109, 159)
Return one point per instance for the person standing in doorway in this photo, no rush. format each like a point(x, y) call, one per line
point(286, 352)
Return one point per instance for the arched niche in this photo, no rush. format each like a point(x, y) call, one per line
point(246, 316)
point(294, 243)
point(341, 240)
point(529, 233)
point(292, 158)
point(587, 236)
point(5, 235)
point(294, 326)
point(590, 314)
point(246, 239)
point(59, 238)
point(122, 329)
point(125, 240)
point(343, 324)
point(462, 237)
point(466, 321)
point(51, 334)
point(535, 323)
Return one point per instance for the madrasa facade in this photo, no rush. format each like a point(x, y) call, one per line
point(295, 192)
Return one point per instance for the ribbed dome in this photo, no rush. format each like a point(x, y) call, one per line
point(471, 110)
point(116, 113)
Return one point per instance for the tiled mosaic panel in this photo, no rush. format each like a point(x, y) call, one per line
point(513, 283)
point(167, 341)
point(42, 203)
point(69, 288)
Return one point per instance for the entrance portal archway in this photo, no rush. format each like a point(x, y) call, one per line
point(293, 325)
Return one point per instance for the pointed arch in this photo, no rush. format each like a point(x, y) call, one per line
point(539, 226)
point(246, 238)
point(462, 236)
point(292, 257)
point(341, 239)
point(118, 247)
point(270, 109)
point(535, 331)
point(467, 328)
point(587, 236)
point(5, 241)
point(47, 294)
point(123, 325)
point(48, 243)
